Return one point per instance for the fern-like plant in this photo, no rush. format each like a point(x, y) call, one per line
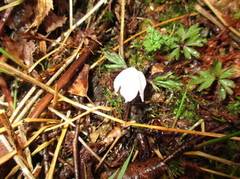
point(154, 40)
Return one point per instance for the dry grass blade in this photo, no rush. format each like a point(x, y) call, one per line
point(212, 157)
point(17, 115)
point(62, 116)
point(11, 4)
point(120, 134)
point(88, 148)
point(42, 146)
point(26, 144)
point(217, 173)
point(57, 150)
point(28, 120)
point(17, 158)
point(121, 44)
point(219, 15)
point(8, 156)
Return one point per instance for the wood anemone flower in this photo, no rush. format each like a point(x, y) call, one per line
point(129, 82)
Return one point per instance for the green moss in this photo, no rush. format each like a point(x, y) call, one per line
point(115, 102)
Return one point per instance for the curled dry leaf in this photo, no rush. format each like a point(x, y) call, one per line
point(80, 85)
point(52, 21)
point(43, 8)
point(21, 50)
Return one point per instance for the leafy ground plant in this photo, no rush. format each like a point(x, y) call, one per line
point(188, 38)
point(215, 73)
point(183, 41)
point(154, 40)
point(167, 81)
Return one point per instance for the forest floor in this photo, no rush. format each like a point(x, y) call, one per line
point(120, 89)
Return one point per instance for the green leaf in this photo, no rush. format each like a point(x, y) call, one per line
point(205, 84)
point(216, 68)
point(174, 53)
point(207, 80)
point(194, 42)
point(227, 73)
point(155, 87)
point(196, 80)
point(113, 66)
point(187, 53)
point(192, 31)
point(181, 32)
point(167, 81)
point(194, 52)
point(169, 84)
point(114, 174)
point(124, 167)
point(116, 59)
point(205, 74)
point(226, 82)
point(222, 93)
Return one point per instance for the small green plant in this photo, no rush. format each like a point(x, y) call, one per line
point(117, 60)
point(183, 41)
point(188, 38)
point(154, 40)
point(207, 78)
point(167, 81)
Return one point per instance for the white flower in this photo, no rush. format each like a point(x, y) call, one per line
point(130, 81)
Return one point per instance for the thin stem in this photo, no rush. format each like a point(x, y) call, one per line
point(121, 49)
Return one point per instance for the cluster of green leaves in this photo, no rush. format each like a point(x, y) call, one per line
point(168, 81)
point(188, 38)
point(183, 41)
point(155, 40)
point(207, 78)
point(117, 60)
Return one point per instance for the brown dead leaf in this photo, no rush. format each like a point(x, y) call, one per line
point(21, 50)
point(100, 132)
point(80, 85)
point(52, 21)
point(21, 17)
point(158, 68)
point(42, 10)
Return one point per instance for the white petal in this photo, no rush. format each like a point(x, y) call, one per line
point(142, 85)
point(130, 81)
